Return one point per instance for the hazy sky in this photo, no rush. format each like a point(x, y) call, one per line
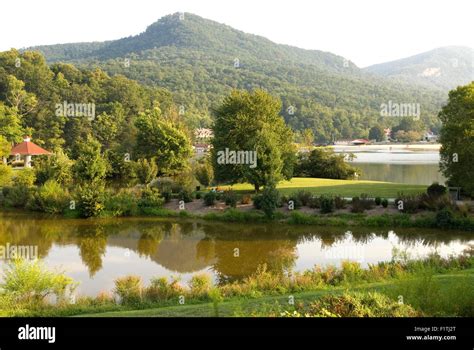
point(364, 31)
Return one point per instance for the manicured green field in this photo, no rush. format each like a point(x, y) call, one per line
point(346, 188)
point(243, 307)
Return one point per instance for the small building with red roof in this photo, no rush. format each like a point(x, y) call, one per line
point(26, 150)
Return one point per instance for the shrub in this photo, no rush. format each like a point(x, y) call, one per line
point(303, 197)
point(24, 177)
point(200, 285)
point(436, 190)
point(268, 201)
point(6, 174)
point(91, 199)
point(216, 297)
point(145, 170)
point(17, 196)
point(184, 181)
point(323, 163)
point(378, 200)
point(28, 282)
point(434, 203)
point(161, 290)
point(464, 209)
point(362, 203)
point(198, 195)
point(230, 198)
point(356, 304)
point(407, 203)
point(185, 195)
point(57, 167)
point(167, 195)
point(327, 204)
point(295, 198)
point(385, 202)
point(444, 218)
point(427, 294)
point(284, 201)
point(52, 198)
point(339, 202)
point(129, 289)
point(246, 199)
point(315, 202)
point(150, 198)
point(204, 173)
point(210, 198)
point(121, 204)
point(351, 271)
point(163, 184)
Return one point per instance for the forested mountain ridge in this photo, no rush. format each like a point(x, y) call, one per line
point(195, 33)
point(444, 68)
point(201, 61)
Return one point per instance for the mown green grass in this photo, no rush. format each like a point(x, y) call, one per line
point(346, 188)
point(446, 284)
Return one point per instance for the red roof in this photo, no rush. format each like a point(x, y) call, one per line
point(28, 148)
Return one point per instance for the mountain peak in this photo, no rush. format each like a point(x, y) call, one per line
point(442, 68)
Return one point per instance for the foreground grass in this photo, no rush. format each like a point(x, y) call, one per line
point(346, 188)
point(446, 288)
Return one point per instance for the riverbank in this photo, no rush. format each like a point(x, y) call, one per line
point(433, 286)
point(432, 147)
point(309, 201)
point(272, 305)
point(392, 218)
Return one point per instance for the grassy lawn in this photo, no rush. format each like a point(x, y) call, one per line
point(240, 306)
point(346, 188)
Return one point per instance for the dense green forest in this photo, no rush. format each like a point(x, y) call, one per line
point(30, 90)
point(201, 61)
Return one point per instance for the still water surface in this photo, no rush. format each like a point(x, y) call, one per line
point(398, 165)
point(96, 252)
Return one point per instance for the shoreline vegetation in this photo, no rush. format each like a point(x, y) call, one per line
point(301, 201)
point(398, 288)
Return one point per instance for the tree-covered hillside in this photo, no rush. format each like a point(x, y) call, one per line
point(201, 61)
point(31, 90)
point(444, 68)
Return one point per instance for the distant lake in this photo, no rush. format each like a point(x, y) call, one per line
point(415, 167)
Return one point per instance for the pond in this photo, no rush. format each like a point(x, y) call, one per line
point(96, 252)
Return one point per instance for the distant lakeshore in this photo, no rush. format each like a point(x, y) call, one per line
point(388, 147)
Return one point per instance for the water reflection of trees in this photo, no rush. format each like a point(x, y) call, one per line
point(241, 249)
point(92, 243)
point(189, 246)
point(150, 237)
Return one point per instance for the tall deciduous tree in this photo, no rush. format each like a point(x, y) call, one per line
point(457, 138)
point(91, 165)
point(376, 133)
point(5, 148)
point(250, 121)
point(10, 124)
point(146, 171)
point(163, 139)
